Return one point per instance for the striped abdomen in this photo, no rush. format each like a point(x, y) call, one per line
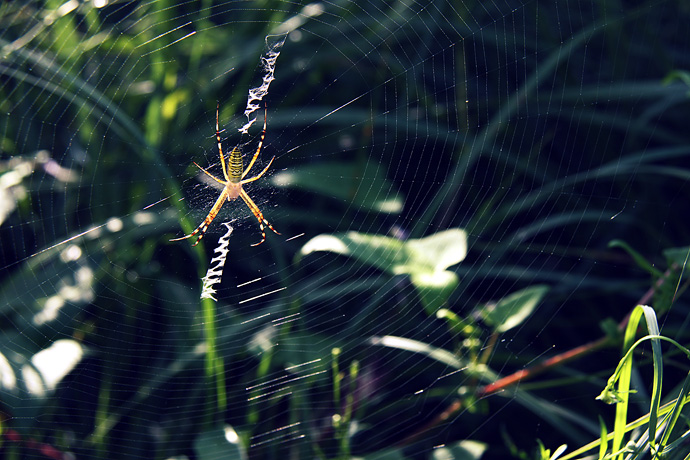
point(235, 166)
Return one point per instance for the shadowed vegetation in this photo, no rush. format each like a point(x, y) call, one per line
point(473, 198)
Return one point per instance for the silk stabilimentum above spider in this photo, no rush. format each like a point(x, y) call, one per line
point(232, 185)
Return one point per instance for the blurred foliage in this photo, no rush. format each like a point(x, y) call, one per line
point(543, 130)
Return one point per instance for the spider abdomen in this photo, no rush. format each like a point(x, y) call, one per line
point(235, 166)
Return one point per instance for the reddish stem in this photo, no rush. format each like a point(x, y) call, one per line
point(537, 369)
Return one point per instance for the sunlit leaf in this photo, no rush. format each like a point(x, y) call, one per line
point(514, 309)
point(415, 346)
point(603, 433)
point(463, 450)
point(434, 288)
point(436, 252)
point(425, 259)
point(365, 187)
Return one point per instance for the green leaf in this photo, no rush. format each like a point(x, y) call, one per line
point(364, 186)
point(559, 451)
point(219, 442)
point(680, 256)
point(514, 309)
point(545, 454)
point(462, 326)
point(637, 257)
point(434, 288)
point(463, 450)
point(425, 259)
point(680, 75)
point(415, 346)
point(381, 252)
point(603, 433)
point(610, 328)
point(437, 252)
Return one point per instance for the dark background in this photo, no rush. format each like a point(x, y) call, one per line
point(544, 129)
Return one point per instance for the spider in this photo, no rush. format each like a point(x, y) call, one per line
point(232, 185)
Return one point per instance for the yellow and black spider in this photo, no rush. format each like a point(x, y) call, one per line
point(232, 185)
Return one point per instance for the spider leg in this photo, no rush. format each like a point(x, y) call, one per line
point(220, 147)
point(260, 174)
point(209, 218)
point(258, 149)
point(209, 174)
point(259, 216)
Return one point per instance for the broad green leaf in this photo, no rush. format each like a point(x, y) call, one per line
point(434, 288)
point(425, 259)
point(365, 186)
point(415, 346)
point(514, 309)
point(680, 256)
point(436, 252)
point(381, 252)
point(463, 450)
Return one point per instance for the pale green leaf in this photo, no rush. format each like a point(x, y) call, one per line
point(462, 450)
point(513, 309)
point(425, 259)
point(680, 256)
point(364, 186)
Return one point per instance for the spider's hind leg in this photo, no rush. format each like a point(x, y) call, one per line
point(259, 216)
point(201, 228)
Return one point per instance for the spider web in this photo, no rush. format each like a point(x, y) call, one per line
point(448, 178)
